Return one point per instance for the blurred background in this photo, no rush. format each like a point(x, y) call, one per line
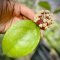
point(49, 47)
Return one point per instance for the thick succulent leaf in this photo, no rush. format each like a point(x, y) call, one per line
point(45, 5)
point(21, 39)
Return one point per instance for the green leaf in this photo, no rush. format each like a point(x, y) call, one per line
point(57, 10)
point(45, 5)
point(21, 39)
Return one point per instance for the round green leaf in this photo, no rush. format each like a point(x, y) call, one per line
point(21, 39)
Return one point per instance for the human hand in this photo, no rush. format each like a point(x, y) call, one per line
point(12, 13)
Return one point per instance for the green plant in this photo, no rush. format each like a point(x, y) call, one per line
point(46, 5)
point(52, 35)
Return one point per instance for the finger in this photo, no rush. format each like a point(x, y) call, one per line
point(9, 23)
point(2, 27)
point(27, 12)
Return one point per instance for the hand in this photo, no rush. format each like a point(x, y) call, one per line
point(12, 12)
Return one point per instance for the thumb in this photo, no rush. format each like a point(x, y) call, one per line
point(9, 23)
point(2, 27)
